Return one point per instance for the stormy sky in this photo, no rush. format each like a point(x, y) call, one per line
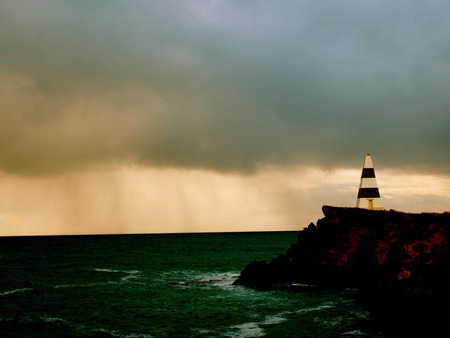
point(232, 88)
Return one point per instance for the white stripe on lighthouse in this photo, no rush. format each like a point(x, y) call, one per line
point(368, 193)
point(368, 182)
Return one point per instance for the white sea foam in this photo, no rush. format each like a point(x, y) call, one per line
point(117, 271)
point(11, 292)
point(89, 285)
point(328, 305)
point(272, 320)
point(53, 320)
point(355, 333)
point(107, 270)
point(255, 328)
point(221, 279)
point(129, 274)
point(132, 275)
point(192, 278)
point(245, 330)
point(116, 333)
point(63, 286)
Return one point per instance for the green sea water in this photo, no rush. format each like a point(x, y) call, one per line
point(176, 285)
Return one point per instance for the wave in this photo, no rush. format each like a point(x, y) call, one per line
point(256, 328)
point(246, 330)
point(11, 292)
point(60, 327)
point(53, 320)
point(356, 333)
point(116, 333)
point(90, 285)
point(328, 305)
point(129, 275)
point(84, 329)
point(192, 278)
point(118, 271)
point(272, 320)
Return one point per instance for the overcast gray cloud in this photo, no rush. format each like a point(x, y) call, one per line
point(223, 85)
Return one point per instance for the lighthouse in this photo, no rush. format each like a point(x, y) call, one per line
point(368, 193)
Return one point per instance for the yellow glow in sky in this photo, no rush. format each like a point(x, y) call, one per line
point(130, 199)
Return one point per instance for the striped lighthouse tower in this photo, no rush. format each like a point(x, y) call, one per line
point(368, 194)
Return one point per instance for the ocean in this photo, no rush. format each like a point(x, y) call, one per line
point(174, 285)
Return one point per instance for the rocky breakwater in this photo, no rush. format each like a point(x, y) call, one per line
point(398, 263)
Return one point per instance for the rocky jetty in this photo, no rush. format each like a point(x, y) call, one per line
point(398, 263)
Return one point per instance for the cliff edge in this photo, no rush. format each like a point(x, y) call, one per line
point(398, 262)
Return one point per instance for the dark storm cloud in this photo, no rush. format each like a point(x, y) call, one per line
point(223, 85)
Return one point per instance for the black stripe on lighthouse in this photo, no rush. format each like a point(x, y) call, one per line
point(368, 193)
point(368, 173)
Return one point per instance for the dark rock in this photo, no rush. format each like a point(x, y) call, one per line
point(399, 262)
